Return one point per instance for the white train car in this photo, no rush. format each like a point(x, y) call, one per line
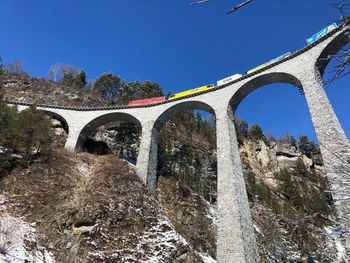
point(228, 79)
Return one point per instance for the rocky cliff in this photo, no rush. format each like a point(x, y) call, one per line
point(86, 208)
point(23, 88)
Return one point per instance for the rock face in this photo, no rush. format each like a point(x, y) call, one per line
point(37, 90)
point(96, 209)
point(59, 133)
point(122, 139)
point(187, 177)
point(289, 202)
point(277, 156)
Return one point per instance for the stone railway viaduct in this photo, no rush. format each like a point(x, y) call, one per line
point(304, 69)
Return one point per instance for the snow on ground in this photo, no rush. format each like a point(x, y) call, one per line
point(257, 228)
point(156, 244)
point(212, 212)
point(165, 240)
point(15, 236)
point(206, 258)
point(341, 251)
point(334, 234)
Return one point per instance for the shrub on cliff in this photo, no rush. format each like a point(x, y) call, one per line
point(256, 133)
point(309, 148)
point(22, 135)
point(33, 132)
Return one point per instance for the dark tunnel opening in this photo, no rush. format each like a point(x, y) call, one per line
point(96, 147)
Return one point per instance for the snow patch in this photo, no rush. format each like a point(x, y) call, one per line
point(256, 228)
point(83, 168)
point(213, 212)
point(18, 240)
point(157, 243)
point(334, 234)
point(206, 258)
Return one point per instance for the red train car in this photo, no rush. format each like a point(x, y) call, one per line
point(147, 101)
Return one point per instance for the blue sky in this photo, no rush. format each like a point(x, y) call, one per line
point(175, 44)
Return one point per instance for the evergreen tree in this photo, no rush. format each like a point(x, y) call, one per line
point(256, 133)
point(164, 153)
point(1, 80)
point(199, 123)
point(313, 148)
point(292, 140)
point(304, 145)
point(80, 80)
point(68, 79)
point(33, 132)
point(109, 86)
point(301, 168)
point(23, 133)
point(138, 90)
point(243, 128)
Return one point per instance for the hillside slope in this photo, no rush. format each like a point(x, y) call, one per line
point(89, 208)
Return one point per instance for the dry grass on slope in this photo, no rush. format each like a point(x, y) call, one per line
point(91, 209)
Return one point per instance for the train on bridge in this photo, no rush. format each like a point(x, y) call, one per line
point(232, 78)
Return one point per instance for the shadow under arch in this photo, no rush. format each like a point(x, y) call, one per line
point(159, 123)
point(97, 122)
point(58, 117)
point(331, 49)
point(260, 81)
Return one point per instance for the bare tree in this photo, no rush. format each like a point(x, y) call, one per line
point(54, 71)
point(344, 8)
point(70, 69)
point(341, 60)
point(16, 67)
point(58, 70)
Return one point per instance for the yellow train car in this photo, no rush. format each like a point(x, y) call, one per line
point(191, 91)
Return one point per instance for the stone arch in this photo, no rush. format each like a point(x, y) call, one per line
point(103, 119)
point(58, 117)
point(50, 113)
point(151, 180)
point(331, 49)
point(260, 81)
point(182, 106)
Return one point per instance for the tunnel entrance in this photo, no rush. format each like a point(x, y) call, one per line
point(96, 147)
